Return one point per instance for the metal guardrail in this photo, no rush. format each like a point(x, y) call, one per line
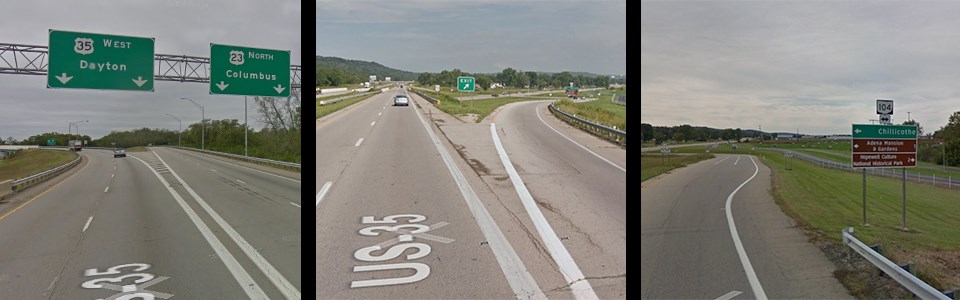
point(424, 96)
point(612, 134)
point(335, 100)
point(256, 160)
point(907, 280)
point(23, 183)
point(947, 182)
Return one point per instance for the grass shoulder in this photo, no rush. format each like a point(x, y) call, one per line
point(27, 162)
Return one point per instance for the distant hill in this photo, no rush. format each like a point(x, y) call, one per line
point(364, 68)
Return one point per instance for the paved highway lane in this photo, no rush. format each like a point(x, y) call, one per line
point(393, 184)
point(113, 221)
point(582, 192)
point(688, 249)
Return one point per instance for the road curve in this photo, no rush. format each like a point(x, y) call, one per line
point(688, 248)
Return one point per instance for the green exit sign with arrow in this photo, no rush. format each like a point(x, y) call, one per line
point(80, 60)
point(237, 70)
point(466, 84)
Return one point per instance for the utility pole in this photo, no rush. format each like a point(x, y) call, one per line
point(203, 124)
point(179, 133)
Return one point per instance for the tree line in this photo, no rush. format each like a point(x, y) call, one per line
point(686, 132)
point(278, 140)
point(513, 78)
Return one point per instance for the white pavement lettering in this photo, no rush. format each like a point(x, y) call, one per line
point(744, 260)
point(137, 291)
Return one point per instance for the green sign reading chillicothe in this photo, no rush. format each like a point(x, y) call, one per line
point(81, 60)
point(871, 131)
point(236, 70)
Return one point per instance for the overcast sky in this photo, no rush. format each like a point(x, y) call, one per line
point(184, 27)
point(816, 66)
point(477, 35)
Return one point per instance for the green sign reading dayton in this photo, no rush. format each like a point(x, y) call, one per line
point(80, 60)
point(236, 70)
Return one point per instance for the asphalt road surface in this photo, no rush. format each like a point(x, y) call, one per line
point(408, 209)
point(167, 223)
point(689, 249)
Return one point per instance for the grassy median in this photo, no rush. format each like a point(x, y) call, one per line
point(603, 112)
point(330, 108)
point(830, 200)
point(32, 161)
point(653, 164)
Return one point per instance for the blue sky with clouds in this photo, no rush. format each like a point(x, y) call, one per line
point(816, 66)
point(477, 36)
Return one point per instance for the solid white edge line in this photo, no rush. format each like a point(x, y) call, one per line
point(323, 191)
point(294, 204)
point(744, 260)
point(358, 142)
point(738, 160)
point(246, 282)
point(87, 225)
point(288, 290)
point(568, 267)
point(252, 169)
point(536, 109)
point(726, 158)
point(522, 283)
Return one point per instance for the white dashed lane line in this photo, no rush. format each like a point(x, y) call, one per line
point(358, 142)
point(294, 204)
point(323, 191)
point(241, 181)
point(88, 224)
point(106, 189)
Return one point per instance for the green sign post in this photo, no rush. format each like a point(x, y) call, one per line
point(236, 70)
point(466, 84)
point(51, 142)
point(80, 60)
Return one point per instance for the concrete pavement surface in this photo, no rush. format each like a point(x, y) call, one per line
point(410, 209)
point(154, 224)
point(688, 249)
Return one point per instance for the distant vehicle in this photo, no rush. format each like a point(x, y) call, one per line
point(119, 153)
point(75, 145)
point(401, 100)
point(495, 95)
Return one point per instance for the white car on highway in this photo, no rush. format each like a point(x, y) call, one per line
point(401, 100)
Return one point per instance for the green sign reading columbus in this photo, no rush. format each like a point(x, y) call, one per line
point(82, 60)
point(871, 131)
point(236, 70)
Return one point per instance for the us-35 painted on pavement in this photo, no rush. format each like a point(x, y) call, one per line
point(81, 60)
point(237, 70)
point(405, 233)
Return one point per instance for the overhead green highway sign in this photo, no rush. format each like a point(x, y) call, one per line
point(872, 131)
point(236, 70)
point(81, 60)
point(466, 84)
